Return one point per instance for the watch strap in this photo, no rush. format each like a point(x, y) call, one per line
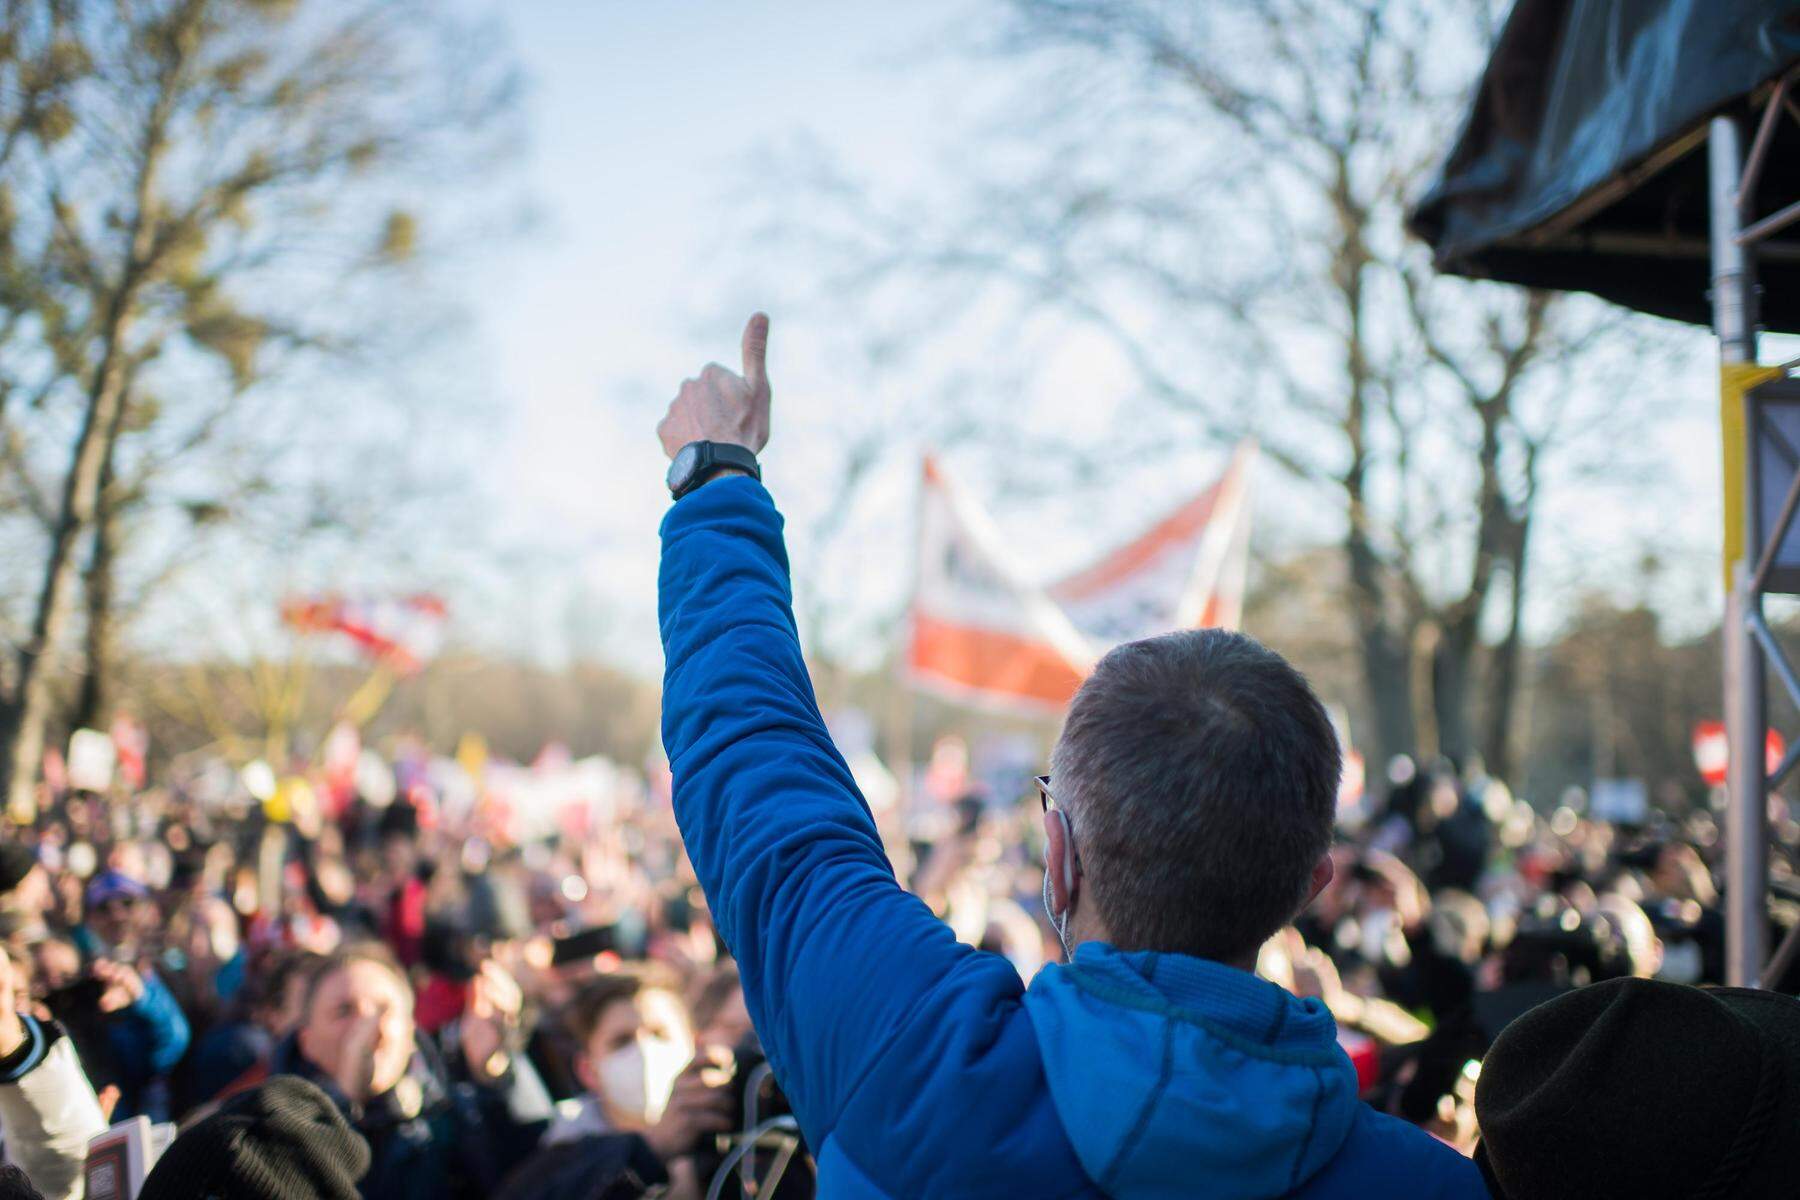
point(715, 457)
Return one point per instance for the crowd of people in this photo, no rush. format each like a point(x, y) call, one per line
point(1181, 963)
point(489, 1013)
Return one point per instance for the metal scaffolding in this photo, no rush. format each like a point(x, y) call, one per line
point(1751, 648)
point(1577, 168)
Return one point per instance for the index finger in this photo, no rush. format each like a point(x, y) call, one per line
point(756, 350)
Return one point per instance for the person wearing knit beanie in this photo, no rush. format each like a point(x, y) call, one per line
point(16, 1185)
point(284, 1140)
point(24, 885)
point(1643, 1088)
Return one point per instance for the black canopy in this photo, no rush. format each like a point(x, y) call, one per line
point(1582, 164)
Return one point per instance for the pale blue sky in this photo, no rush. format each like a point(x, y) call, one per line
point(645, 123)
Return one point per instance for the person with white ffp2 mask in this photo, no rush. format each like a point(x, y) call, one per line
point(640, 1070)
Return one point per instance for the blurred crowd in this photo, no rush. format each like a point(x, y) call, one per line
point(536, 1006)
point(494, 1013)
point(1457, 907)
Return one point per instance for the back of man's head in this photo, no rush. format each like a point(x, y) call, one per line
point(1200, 774)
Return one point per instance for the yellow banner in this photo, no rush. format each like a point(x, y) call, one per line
point(1735, 379)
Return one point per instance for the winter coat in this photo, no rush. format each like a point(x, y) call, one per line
point(48, 1113)
point(610, 1166)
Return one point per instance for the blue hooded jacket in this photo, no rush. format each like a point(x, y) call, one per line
point(919, 1066)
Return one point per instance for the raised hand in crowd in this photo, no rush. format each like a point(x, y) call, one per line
point(353, 1067)
point(490, 1026)
point(701, 1103)
point(124, 987)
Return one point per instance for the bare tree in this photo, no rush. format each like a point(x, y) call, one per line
point(1217, 192)
point(195, 192)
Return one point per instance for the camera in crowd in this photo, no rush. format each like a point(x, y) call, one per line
point(765, 1156)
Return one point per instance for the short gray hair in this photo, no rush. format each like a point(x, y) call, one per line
point(1200, 774)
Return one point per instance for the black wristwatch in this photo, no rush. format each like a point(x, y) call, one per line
point(698, 462)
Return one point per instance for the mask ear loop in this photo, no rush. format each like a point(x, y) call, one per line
point(1061, 924)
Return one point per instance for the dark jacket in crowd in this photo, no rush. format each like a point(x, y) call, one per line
point(919, 1066)
point(607, 1166)
point(222, 1056)
point(437, 1136)
point(133, 1049)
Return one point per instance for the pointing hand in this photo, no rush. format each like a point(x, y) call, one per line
point(722, 405)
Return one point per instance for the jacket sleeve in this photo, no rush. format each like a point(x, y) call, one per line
point(836, 957)
point(48, 1113)
point(153, 1033)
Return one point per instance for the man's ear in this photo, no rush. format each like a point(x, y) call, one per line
point(1322, 874)
point(1063, 884)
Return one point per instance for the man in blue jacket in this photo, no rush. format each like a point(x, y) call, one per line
point(1188, 815)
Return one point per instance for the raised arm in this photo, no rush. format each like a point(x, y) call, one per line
point(836, 958)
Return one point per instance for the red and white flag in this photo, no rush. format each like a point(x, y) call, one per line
point(979, 632)
point(1188, 571)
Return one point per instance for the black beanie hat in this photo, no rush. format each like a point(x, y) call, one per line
point(1646, 1089)
point(284, 1140)
point(16, 861)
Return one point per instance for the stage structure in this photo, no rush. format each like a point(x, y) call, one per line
point(1605, 152)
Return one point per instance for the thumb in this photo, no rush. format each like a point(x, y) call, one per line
point(756, 349)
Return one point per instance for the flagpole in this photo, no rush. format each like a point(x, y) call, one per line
point(900, 736)
point(902, 707)
point(902, 718)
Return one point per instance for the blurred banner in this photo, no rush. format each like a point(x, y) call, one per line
point(1188, 571)
point(981, 634)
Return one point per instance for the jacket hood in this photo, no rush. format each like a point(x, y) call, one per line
point(1175, 1076)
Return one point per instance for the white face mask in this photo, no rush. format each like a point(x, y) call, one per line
point(636, 1079)
point(623, 1084)
point(1375, 930)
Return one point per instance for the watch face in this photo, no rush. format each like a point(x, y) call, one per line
point(686, 459)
